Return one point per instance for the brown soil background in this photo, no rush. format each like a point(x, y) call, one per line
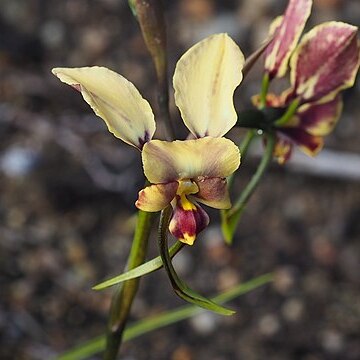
point(68, 190)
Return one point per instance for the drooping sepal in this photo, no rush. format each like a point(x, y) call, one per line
point(306, 142)
point(282, 150)
point(188, 220)
point(116, 100)
point(286, 31)
point(325, 62)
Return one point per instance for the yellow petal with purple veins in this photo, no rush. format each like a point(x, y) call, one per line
point(320, 119)
point(213, 192)
point(205, 79)
point(116, 100)
point(178, 160)
point(286, 31)
point(156, 197)
point(187, 220)
point(325, 62)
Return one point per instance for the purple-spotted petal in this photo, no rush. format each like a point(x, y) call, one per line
point(116, 100)
point(213, 192)
point(177, 160)
point(320, 119)
point(325, 62)
point(188, 220)
point(286, 31)
point(156, 197)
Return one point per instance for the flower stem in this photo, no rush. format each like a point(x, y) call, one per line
point(243, 147)
point(150, 15)
point(264, 90)
point(231, 218)
point(290, 112)
point(125, 293)
point(179, 286)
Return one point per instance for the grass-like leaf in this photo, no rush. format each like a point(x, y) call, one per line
point(96, 345)
point(146, 268)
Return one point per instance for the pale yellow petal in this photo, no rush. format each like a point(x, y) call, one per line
point(156, 197)
point(116, 100)
point(209, 157)
point(205, 79)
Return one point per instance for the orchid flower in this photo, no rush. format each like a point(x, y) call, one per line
point(181, 173)
point(324, 62)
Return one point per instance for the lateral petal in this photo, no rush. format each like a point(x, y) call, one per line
point(187, 159)
point(116, 100)
point(283, 150)
point(205, 79)
point(287, 31)
point(213, 192)
point(156, 197)
point(320, 119)
point(325, 62)
point(306, 142)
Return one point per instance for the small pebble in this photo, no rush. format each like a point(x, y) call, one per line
point(332, 341)
point(204, 323)
point(293, 310)
point(269, 325)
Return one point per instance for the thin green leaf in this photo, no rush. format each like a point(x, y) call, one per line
point(96, 345)
point(179, 286)
point(146, 268)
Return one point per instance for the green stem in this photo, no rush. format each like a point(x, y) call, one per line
point(150, 15)
point(264, 90)
point(243, 147)
point(125, 293)
point(290, 112)
point(231, 217)
point(179, 286)
point(254, 182)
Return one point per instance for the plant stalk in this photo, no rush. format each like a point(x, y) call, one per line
point(125, 293)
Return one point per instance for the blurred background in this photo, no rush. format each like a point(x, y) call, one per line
point(68, 189)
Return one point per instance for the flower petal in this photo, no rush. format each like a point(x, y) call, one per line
point(325, 62)
point(187, 220)
point(116, 100)
point(213, 192)
point(156, 197)
point(169, 161)
point(283, 150)
point(287, 31)
point(307, 143)
point(204, 81)
point(320, 119)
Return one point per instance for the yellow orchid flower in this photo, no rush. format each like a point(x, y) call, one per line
point(185, 172)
